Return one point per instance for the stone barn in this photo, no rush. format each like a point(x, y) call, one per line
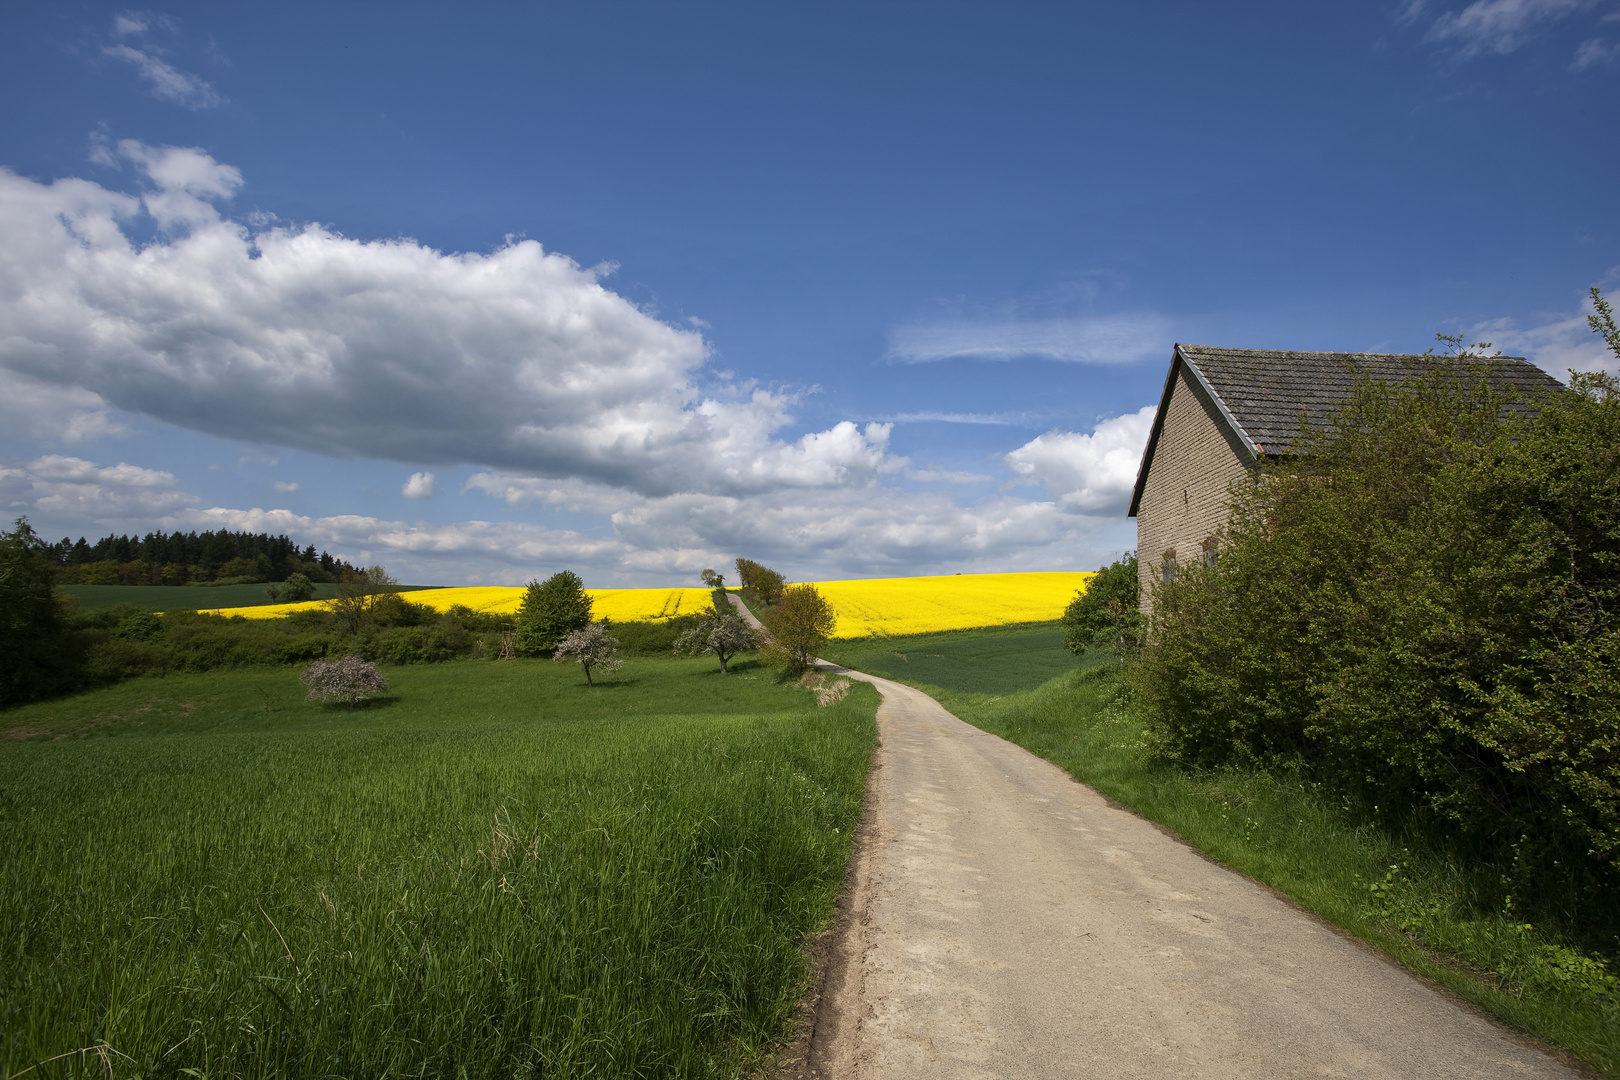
point(1222, 410)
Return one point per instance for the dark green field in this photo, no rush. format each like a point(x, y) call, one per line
point(491, 871)
point(990, 661)
point(187, 597)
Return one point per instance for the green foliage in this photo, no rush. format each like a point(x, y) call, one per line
point(550, 611)
point(1423, 609)
point(800, 626)
point(651, 637)
point(1602, 323)
point(1107, 612)
point(297, 589)
point(37, 653)
point(495, 872)
point(763, 583)
point(1429, 905)
point(179, 597)
point(364, 597)
point(190, 558)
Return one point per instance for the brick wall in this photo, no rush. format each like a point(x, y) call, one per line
point(1185, 498)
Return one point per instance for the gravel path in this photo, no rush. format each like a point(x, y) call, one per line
point(1006, 921)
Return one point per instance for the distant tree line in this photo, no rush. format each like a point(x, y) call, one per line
point(223, 557)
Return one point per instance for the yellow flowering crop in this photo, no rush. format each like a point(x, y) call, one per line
point(620, 605)
point(883, 606)
point(922, 605)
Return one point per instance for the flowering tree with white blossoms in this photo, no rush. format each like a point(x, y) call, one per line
point(720, 633)
point(590, 647)
point(349, 679)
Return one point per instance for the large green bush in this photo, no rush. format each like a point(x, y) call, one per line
point(550, 611)
point(1421, 607)
point(1106, 614)
point(38, 653)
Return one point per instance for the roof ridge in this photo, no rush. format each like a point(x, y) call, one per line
point(1236, 351)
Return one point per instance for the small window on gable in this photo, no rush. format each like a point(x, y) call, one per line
point(1169, 571)
point(1211, 551)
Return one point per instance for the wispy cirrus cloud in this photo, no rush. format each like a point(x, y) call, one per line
point(1500, 27)
point(1595, 51)
point(928, 416)
point(165, 81)
point(1111, 339)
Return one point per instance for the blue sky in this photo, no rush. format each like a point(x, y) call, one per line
point(486, 291)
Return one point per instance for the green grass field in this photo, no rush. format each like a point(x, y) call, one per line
point(186, 597)
point(1414, 903)
point(992, 661)
point(491, 871)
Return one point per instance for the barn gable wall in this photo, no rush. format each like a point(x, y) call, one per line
point(1184, 495)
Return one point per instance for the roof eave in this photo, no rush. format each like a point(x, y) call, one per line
point(1178, 361)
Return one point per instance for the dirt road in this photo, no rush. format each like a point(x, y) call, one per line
point(1006, 921)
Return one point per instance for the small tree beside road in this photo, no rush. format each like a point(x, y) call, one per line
point(800, 626)
point(550, 611)
point(349, 679)
point(590, 647)
point(762, 582)
point(721, 633)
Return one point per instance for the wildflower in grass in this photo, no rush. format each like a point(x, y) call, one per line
point(350, 679)
point(590, 647)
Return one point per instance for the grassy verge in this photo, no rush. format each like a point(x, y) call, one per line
point(492, 871)
point(1412, 902)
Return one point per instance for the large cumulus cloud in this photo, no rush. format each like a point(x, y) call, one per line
point(569, 397)
point(302, 337)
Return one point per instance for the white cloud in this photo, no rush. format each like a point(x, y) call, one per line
point(1496, 26)
point(166, 82)
point(286, 487)
point(1092, 473)
point(419, 486)
point(1120, 339)
point(78, 492)
point(930, 416)
point(1595, 51)
point(45, 412)
point(519, 359)
point(466, 551)
point(1563, 343)
point(945, 476)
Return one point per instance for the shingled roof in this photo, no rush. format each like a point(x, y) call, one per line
point(1260, 394)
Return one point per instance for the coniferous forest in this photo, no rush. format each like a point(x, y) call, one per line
point(223, 557)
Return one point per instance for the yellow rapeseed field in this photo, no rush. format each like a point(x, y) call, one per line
point(882, 606)
point(922, 605)
point(620, 605)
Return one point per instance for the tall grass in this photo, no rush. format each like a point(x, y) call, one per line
point(1390, 886)
point(494, 872)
